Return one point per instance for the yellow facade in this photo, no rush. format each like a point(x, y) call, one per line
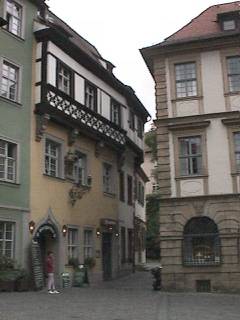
point(50, 193)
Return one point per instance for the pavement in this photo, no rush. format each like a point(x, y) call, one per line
point(128, 298)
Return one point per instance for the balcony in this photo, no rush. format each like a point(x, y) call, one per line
point(67, 111)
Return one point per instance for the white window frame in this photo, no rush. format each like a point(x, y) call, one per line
point(191, 156)
point(18, 80)
point(131, 120)
point(236, 152)
point(108, 176)
point(90, 96)
point(6, 161)
point(4, 239)
point(59, 158)
point(186, 80)
point(88, 245)
point(80, 169)
point(20, 33)
point(73, 244)
point(62, 78)
point(229, 24)
point(115, 112)
point(233, 75)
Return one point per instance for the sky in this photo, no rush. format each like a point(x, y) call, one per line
point(118, 29)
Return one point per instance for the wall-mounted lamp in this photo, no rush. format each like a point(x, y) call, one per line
point(98, 232)
point(64, 230)
point(116, 234)
point(31, 226)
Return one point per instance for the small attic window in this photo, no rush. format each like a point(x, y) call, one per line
point(229, 25)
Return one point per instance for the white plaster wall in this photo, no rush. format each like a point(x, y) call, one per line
point(235, 102)
point(238, 184)
point(85, 73)
point(219, 171)
point(79, 89)
point(212, 82)
point(37, 94)
point(172, 166)
point(38, 68)
point(39, 50)
point(140, 211)
point(193, 187)
point(148, 166)
point(187, 108)
point(51, 70)
point(126, 211)
point(106, 90)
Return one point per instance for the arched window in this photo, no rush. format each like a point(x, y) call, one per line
point(201, 244)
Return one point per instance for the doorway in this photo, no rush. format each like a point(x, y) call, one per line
point(107, 255)
point(45, 240)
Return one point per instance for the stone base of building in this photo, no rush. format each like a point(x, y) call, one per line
point(202, 282)
point(219, 272)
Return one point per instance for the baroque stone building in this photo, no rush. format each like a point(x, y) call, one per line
point(197, 76)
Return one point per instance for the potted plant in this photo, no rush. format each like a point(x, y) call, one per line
point(22, 281)
point(7, 274)
point(74, 262)
point(89, 262)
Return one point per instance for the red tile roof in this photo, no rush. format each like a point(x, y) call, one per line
point(204, 24)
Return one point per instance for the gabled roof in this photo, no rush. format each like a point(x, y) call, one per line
point(206, 23)
point(77, 39)
point(201, 29)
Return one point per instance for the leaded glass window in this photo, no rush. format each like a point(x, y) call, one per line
point(190, 156)
point(186, 80)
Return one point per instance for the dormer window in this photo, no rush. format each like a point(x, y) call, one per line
point(229, 25)
point(229, 21)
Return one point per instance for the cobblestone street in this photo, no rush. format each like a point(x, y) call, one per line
point(129, 298)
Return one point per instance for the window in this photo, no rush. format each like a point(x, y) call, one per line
point(140, 128)
point(123, 245)
point(80, 169)
point(201, 242)
point(90, 96)
point(72, 243)
point(88, 243)
point(140, 193)
point(121, 186)
point(131, 120)
point(237, 150)
point(64, 79)
point(130, 245)
point(186, 80)
point(14, 17)
point(52, 158)
point(229, 25)
point(190, 156)
point(8, 161)
point(107, 178)
point(233, 67)
point(130, 190)
point(115, 112)
point(9, 81)
point(7, 230)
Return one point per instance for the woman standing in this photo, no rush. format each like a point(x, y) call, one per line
point(50, 273)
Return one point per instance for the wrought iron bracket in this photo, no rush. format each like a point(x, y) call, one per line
point(77, 192)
